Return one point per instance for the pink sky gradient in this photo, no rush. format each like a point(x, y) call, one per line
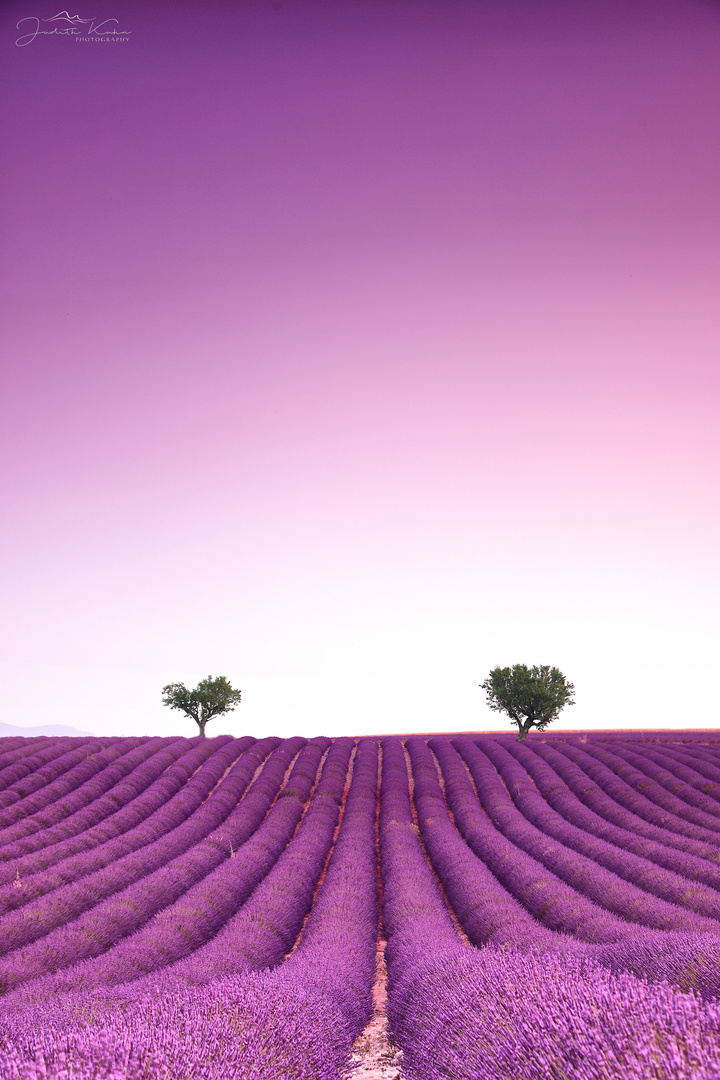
point(352, 348)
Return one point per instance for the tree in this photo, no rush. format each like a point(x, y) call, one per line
point(531, 697)
point(211, 697)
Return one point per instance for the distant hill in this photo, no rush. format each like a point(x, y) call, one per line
point(46, 729)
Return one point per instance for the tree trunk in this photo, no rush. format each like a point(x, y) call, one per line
point(525, 729)
point(201, 724)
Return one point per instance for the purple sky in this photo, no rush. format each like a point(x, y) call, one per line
point(353, 348)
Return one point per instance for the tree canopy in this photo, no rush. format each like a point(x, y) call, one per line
point(531, 697)
point(211, 697)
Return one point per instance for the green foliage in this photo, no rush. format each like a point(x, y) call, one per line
point(531, 697)
point(211, 697)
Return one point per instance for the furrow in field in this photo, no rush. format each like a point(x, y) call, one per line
point(579, 872)
point(89, 795)
point(197, 911)
point(632, 797)
point(105, 921)
point(638, 776)
point(29, 758)
point(297, 1020)
point(699, 760)
point(666, 772)
point(413, 908)
point(39, 787)
point(550, 903)
point(700, 764)
point(612, 811)
point(265, 928)
point(149, 796)
point(663, 883)
point(558, 795)
point(485, 909)
point(71, 792)
point(120, 859)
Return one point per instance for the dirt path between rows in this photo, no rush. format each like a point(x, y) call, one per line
point(374, 1056)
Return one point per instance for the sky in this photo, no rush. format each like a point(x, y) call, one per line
point(354, 348)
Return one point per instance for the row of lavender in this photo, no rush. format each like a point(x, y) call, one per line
point(535, 1000)
point(518, 872)
point(37, 926)
point(14, 896)
point(636, 914)
point(199, 1017)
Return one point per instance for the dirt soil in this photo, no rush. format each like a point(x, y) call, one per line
point(374, 1056)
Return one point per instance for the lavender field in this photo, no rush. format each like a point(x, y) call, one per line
point(241, 909)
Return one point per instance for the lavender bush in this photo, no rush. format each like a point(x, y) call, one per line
point(597, 787)
point(108, 921)
point(557, 794)
point(640, 793)
point(163, 776)
point(173, 816)
point(209, 908)
point(90, 795)
point(42, 786)
point(501, 1015)
point(30, 762)
point(662, 883)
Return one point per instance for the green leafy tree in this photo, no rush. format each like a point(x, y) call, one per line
point(531, 697)
point(211, 697)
